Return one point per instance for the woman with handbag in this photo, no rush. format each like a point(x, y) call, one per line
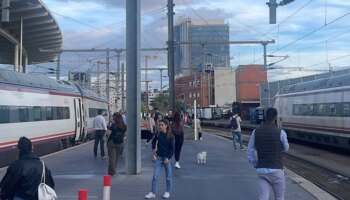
point(24, 176)
point(115, 143)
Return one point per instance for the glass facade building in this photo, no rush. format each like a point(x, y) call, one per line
point(191, 57)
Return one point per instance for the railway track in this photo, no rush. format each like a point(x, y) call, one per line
point(332, 181)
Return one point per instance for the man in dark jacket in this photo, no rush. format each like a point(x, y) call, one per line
point(23, 177)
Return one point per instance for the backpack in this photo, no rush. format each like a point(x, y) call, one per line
point(117, 138)
point(233, 123)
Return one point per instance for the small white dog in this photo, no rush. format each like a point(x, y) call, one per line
point(202, 157)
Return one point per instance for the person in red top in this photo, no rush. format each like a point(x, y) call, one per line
point(178, 130)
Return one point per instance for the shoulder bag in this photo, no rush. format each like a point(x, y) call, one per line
point(45, 192)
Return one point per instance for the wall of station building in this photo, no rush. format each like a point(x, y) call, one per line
point(225, 86)
point(248, 79)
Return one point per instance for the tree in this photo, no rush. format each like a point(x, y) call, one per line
point(161, 102)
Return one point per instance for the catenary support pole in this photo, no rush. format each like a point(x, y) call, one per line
point(123, 87)
point(171, 63)
point(194, 120)
point(133, 87)
point(107, 82)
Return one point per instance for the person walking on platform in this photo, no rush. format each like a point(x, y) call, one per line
point(23, 177)
point(163, 146)
point(235, 123)
point(169, 116)
point(151, 126)
point(156, 113)
point(199, 128)
point(99, 124)
point(270, 142)
point(178, 130)
point(115, 143)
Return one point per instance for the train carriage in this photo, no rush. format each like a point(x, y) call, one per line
point(317, 111)
point(49, 112)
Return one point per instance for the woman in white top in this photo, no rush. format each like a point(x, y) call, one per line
point(151, 125)
point(199, 128)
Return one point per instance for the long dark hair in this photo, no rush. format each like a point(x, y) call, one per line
point(118, 121)
point(177, 119)
point(169, 134)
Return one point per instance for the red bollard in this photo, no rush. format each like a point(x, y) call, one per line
point(82, 194)
point(107, 187)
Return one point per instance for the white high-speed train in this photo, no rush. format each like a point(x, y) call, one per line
point(317, 111)
point(44, 110)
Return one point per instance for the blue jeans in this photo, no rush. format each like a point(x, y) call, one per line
point(237, 135)
point(276, 180)
point(157, 167)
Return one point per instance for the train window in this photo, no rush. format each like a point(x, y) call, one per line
point(305, 109)
point(346, 109)
point(59, 112)
point(332, 109)
point(66, 113)
point(4, 114)
point(105, 112)
point(321, 109)
point(311, 109)
point(49, 113)
point(37, 113)
point(23, 114)
point(297, 109)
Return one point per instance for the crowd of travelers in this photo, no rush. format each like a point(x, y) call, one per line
point(24, 176)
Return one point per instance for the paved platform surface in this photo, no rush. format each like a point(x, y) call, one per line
point(227, 174)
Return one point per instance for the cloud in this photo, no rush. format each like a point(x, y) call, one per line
point(248, 20)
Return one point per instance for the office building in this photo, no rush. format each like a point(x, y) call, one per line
point(192, 57)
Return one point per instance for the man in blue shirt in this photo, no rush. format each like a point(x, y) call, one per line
point(270, 142)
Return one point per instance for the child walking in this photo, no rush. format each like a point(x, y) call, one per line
point(163, 146)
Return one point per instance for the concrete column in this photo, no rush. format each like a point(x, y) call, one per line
point(133, 87)
point(58, 68)
point(15, 60)
point(25, 66)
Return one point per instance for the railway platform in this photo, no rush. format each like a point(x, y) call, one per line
point(226, 175)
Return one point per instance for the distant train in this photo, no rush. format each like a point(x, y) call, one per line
point(317, 111)
point(45, 110)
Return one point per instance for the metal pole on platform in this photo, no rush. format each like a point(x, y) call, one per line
point(195, 118)
point(123, 86)
point(171, 68)
point(133, 87)
point(117, 83)
point(107, 81)
point(15, 63)
point(21, 46)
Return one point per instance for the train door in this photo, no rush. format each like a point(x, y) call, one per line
point(78, 119)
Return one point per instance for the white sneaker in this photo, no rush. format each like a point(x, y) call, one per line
point(166, 195)
point(150, 195)
point(177, 165)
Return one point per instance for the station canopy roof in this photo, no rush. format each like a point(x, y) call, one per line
point(40, 31)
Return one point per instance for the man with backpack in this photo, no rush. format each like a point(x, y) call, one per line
point(235, 123)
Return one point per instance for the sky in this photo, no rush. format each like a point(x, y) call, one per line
point(310, 35)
